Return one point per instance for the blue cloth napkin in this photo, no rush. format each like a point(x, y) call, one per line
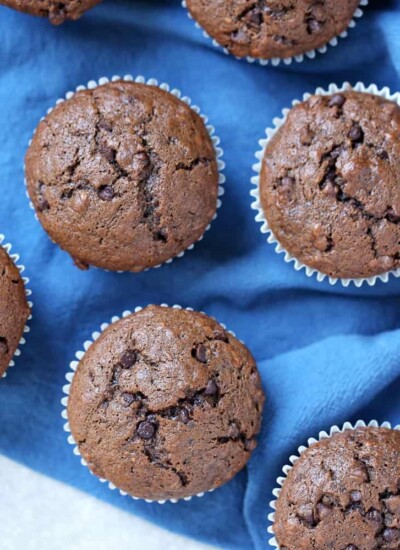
point(326, 354)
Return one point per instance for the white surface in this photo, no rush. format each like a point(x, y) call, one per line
point(39, 513)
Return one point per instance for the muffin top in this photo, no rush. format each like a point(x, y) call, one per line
point(123, 176)
point(166, 404)
point(272, 28)
point(330, 184)
point(14, 309)
point(343, 493)
point(56, 11)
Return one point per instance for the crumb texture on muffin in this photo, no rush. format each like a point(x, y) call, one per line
point(14, 309)
point(272, 28)
point(166, 404)
point(343, 494)
point(123, 176)
point(329, 184)
point(57, 12)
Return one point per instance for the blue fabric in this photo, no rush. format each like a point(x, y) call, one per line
point(326, 354)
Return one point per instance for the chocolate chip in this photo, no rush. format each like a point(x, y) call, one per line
point(391, 535)
point(220, 334)
point(42, 204)
point(104, 125)
point(374, 515)
point(328, 500)
point(330, 189)
point(351, 547)
point(141, 165)
point(234, 430)
point(313, 26)
point(211, 388)
point(3, 346)
point(253, 17)
point(128, 359)
point(280, 39)
point(355, 496)
point(337, 100)
point(146, 430)
point(392, 216)
point(323, 511)
point(250, 444)
point(128, 398)
point(306, 513)
point(199, 352)
point(107, 152)
point(183, 415)
point(240, 37)
point(106, 193)
point(382, 154)
point(356, 134)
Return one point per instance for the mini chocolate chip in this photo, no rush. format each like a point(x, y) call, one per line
point(392, 216)
point(328, 500)
point(42, 204)
point(106, 193)
point(313, 26)
point(356, 134)
point(337, 100)
point(306, 513)
point(355, 496)
point(330, 189)
point(104, 125)
point(219, 334)
point(351, 547)
point(382, 154)
point(183, 415)
point(141, 165)
point(128, 359)
point(3, 346)
point(323, 511)
point(254, 17)
point(200, 353)
point(146, 430)
point(374, 515)
point(391, 535)
point(128, 398)
point(234, 430)
point(280, 39)
point(240, 37)
point(211, 388)
point(250, 444)
point(107, 152)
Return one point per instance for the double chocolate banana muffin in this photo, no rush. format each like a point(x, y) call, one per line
point(14, 309)
point(268, 29)
point(123, 176)
point(57, 12)
point(330, 184)
point(343, 494)
point(166, 404)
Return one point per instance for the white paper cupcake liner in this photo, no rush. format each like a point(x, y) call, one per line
point(275, 61)
point(66, 390)
point(293, 459)
point(178, 94)
point(21, 268)
point(255, 180)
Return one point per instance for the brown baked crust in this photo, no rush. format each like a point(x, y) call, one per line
point(344, 494)
point(330, 184)
point(123, 176)
point(14, 309)
point(57, 12)
point(272, 28)
point(175, 376)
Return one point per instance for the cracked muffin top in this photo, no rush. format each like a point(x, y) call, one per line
point(330, 184)
point(344, 494)
point(123, 176)
point(272, 28)
point(14, 309)
point(56, 11)
point(166, 404)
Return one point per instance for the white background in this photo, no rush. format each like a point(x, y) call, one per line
point(39, 513)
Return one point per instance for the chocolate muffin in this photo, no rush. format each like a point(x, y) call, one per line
point(123, 176)
point(166, 404)
point(272, 28)
point(57, 12)
point(14, 309)
point(329, 184)
point(343, 494)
